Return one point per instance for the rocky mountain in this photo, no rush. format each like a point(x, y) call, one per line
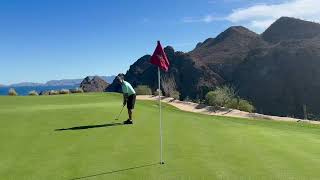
point(284, 75)
point(223, 53)
point(287, 28)
point(278, 71)
point(93, 84)
point(183, 76)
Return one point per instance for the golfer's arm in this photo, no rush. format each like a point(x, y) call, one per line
point(125, 96)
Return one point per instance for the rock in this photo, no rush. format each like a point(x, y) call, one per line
point(183, 76)
point(281, 79)
point(93, 84)
point(42, 93)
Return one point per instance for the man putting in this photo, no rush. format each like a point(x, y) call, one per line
point(129, 97)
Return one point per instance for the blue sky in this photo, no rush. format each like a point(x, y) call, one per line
point(42, 40)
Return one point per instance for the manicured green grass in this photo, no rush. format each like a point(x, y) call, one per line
point(195, 146)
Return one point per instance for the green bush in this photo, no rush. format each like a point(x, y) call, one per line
point(33, 93)
point(233, 104)
point(221, 96)
point(175, 94)
point(143, 90)
point(77, 90)
point(12, 92)
point(53, 92)
point(64, 91)
point(226, 97)
point(44, 93)
point(240, 104)
point(156, 93)
point(245, 105)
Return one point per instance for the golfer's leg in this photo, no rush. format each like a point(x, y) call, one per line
point(130, 113)
point(133, 101)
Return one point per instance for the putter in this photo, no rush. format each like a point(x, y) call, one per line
point(117, 118)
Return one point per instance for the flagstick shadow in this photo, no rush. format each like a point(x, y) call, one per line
point(115, 171)
point(90, 126)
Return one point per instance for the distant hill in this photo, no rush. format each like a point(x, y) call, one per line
point(76, 82)
point(26, 84)
point(93, 84)
point(63, 82)
point(278, 71)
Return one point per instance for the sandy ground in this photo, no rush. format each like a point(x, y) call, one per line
point(203, 109)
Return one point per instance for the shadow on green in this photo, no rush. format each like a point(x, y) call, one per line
point(90, 126)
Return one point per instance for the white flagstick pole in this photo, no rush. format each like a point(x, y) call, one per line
point(159, 93)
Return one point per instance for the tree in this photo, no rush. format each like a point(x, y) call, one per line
point(169, 85)
point(143, 90)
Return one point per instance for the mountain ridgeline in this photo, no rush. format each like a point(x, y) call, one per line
point(62, 82)
point(278, 71)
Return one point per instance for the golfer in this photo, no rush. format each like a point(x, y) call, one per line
point(129, 97)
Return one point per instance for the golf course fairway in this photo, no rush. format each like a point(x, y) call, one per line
point(76, 137)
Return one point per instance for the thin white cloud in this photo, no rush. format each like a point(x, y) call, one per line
point(260, 24)
point(205, 19)
point(260, 16)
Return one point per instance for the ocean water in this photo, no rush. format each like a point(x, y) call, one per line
point(24, 90)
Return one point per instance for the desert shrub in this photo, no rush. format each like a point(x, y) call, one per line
point(240, 104)
point(220, 97)
point(143, 90)
point(42, 93)
point(233, 103)
point(168, 85)
point(33, 93)
point(187, 99)
point(226, 97)
point(12, 92)
point(77, 90)
point(245, 105)
point(64, 91)
point(53, 92)
point(175, 94)
point(156, 93)
point(199, 100)
point(211, 99)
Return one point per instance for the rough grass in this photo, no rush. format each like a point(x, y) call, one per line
point(195, 146)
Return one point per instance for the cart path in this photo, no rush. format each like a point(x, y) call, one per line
point(208, 110)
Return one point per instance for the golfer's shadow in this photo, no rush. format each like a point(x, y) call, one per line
point(90, 126)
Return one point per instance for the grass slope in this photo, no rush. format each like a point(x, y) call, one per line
point(195, 146)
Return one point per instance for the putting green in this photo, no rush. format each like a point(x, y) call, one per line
point(75, 136)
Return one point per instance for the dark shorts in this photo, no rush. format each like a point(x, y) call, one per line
point(131, 101)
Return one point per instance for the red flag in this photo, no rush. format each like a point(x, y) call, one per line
point(159, 58)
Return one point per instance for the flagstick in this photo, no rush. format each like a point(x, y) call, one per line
point(159, 93)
